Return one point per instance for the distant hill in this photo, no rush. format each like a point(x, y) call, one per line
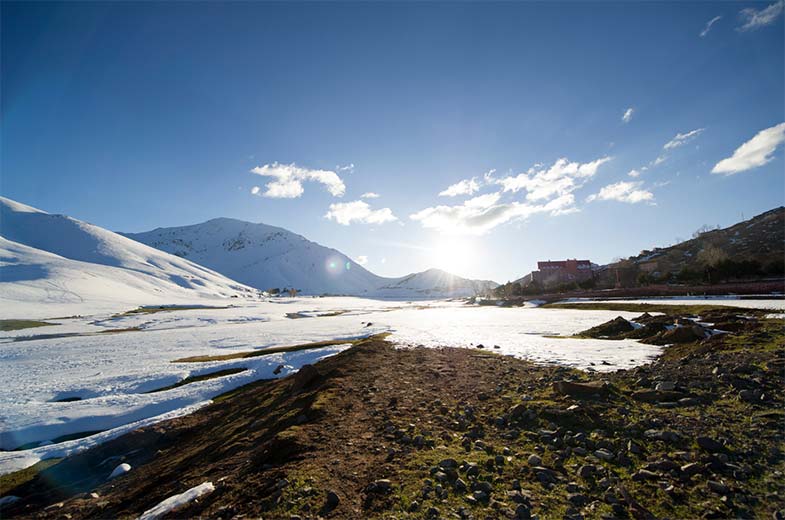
point(750, 251)
point(267, 257)
point(753, 248)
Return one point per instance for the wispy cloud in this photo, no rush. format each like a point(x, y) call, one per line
point(756, 18)
point(623, 191)
point(754, 153)
point(346, 168)
point(288, 180)
point(711, 22)
point(255, 190)
point(464, 187)
point(634, 173)
point(361, 260)
point(627, 117)
point(358, 211)
point(682, 139)
point(370, 195)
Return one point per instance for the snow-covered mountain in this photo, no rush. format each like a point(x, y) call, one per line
point(56, 261)
point(268, 257)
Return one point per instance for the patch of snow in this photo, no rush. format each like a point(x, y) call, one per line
point(121, 469)
point(177, 501)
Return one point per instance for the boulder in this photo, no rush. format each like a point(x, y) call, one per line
point(305, 377)
point(610, 329)
point(574, 389)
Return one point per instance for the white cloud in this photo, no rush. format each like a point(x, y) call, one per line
point(481, 214)
point(659, 160)
point(370, 195)
point(561, 178)
point(757, 18)
point(711, 22)
point(361, 260)
point(358, 211)
point(464, 187)
point(255, 190)
point(288, 180)
point(634, 173)
point(548, 190)
point(347, 168)
point(755, 152)
point(627, 117)
point(682, 139)
point(623, 191)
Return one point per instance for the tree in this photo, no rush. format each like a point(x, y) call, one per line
point(711, 257)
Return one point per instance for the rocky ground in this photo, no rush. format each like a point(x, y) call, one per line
point(378, 432)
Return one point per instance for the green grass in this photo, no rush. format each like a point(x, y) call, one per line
point(11, 481)
point(166, 308)
point(276, 350)
point(203, 377)
point(6, 325)
point(650, 307)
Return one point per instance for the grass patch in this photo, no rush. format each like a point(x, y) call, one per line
point(276, 350)
point(152, 309)
point(196, 379)
point(116, 331)
point(650, 307)
point(300, 315)
point(7, 325)
point(11, 481)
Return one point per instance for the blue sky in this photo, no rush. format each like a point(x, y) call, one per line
point(139, 115)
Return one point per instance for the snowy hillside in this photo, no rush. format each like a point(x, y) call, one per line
point(53, 263)
point(267, 257)
point(434, 282)
point(263, 256)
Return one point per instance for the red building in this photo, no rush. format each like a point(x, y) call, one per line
point(560, 271)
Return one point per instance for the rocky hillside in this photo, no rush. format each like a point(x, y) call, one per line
point(379, 432)
point(758, 242)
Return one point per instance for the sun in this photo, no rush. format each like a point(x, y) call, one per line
point(454, 255)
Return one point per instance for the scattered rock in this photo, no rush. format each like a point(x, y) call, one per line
point(717, 487)
point(710, 445)
point(331, 501)
point(534, 460)
point(644, 474)
point(379, 486)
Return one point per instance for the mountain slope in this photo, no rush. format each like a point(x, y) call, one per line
point(760, 239)
point(55, 259)
point(267, 257)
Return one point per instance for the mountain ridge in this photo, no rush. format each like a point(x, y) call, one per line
point(270, 257)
